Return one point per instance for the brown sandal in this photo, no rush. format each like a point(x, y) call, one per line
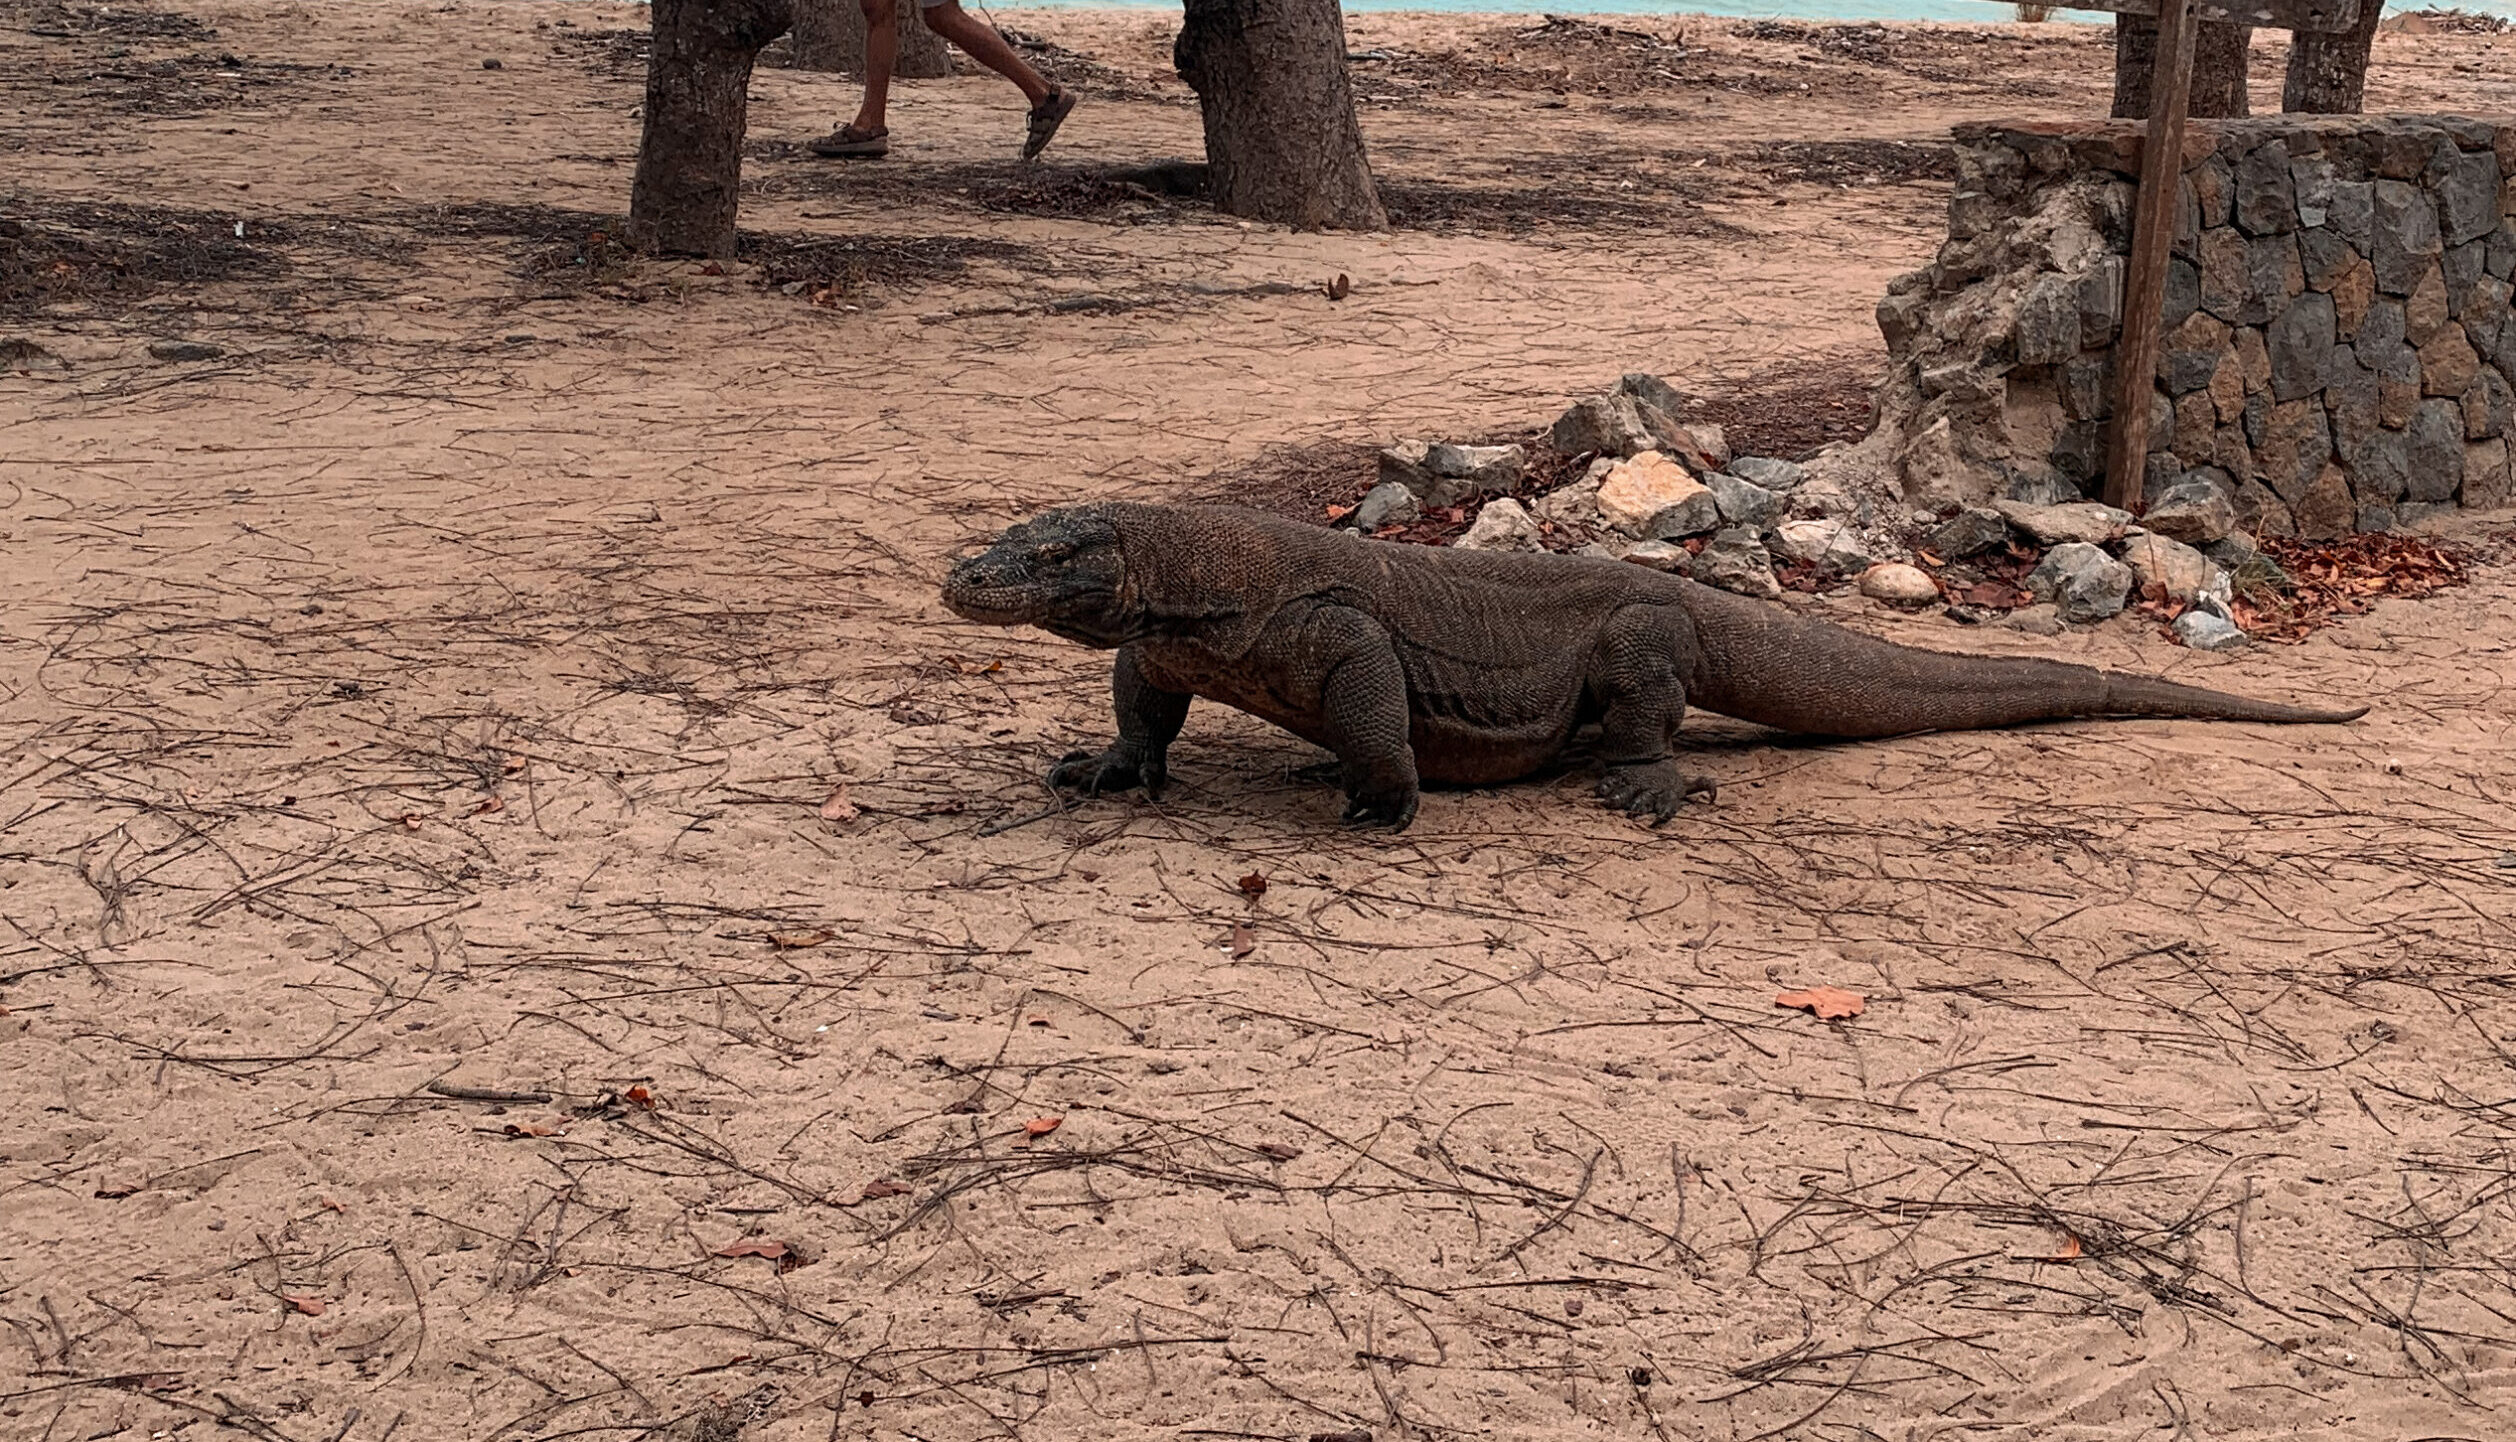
point(852, 142)
point(1045, 118)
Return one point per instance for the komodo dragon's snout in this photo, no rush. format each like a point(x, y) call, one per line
point(1416, 664)
point(1062, 571)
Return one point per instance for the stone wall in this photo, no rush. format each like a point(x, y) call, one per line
point(2338, 350)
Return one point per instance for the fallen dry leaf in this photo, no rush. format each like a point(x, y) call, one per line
point(839, 808)
point(512, 765)
point(2070, 1252)
point(411, 821)
point(1042, 1126)
point(798, 940)
point(536, 1129)
point(1278, 1150)
point(1339, 513)
point(640, 1098)
point(1242, 942)
point(311, 1306)
point(886, 1187)
point(490, 804)
point(1253, 886)
point(768, 1248)
point(1830, 1003)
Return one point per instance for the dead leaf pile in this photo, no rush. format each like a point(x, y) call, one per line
point(2343, 578)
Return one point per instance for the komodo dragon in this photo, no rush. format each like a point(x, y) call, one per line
point(1415, 664)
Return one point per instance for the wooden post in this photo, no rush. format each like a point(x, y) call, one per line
point(2153, 238)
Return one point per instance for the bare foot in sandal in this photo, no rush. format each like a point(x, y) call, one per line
point(853, 142)
point(1046, 116)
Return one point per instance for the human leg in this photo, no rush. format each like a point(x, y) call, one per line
point(982, 44)
point(1049, 102)
point(868, 134)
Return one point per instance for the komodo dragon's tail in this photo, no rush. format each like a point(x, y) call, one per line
point(1767, 666)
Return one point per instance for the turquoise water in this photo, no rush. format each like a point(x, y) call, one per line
point(1979, 12)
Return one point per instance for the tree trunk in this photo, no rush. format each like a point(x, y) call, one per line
point(2220, 52)
point(2328, 72)
point(1282, 143)
point(830, 35)
point(690, 158)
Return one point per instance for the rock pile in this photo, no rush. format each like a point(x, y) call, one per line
point(2339, 350)
point(1653, 495)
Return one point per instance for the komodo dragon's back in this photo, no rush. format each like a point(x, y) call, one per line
point(1416, 662)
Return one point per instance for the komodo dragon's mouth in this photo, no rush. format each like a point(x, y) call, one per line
point(997, 605)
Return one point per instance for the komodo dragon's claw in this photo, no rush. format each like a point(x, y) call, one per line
point(1093, 772)
point(1655, 789)
point(1397, 812)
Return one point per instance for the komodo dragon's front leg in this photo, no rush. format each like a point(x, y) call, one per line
point(1325, 671)
point(1149, 719)
point(1635, 674)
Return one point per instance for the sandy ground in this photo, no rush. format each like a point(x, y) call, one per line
point(491, 675)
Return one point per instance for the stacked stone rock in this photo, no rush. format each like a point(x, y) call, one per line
point(2338, 354)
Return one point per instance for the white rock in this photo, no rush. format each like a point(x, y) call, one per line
point(1767, 472)
point(1573, 505)
point(1834, 546)
point(1610, 425)
point(1715, 441)
point(1737, 561)
point(1898, 584)
point(2085, 522)
point(2038, 620)
point(1652, 498)
point(1500, 526)
point(1388, 503)
point(1490, 468)
point(1658, 555)
point(2195, 510)
point(1823, 496)
point(1403, 464)
point(2206, 632)
point(1743, 503)
point(2171, 571)
point(2082, 582)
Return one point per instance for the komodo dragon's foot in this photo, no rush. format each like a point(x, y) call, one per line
point(1117, 769)
point(1653, 788)
point(1393, 809)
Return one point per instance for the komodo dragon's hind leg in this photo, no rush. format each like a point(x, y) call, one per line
point(1636, 676)
point(1149, 719)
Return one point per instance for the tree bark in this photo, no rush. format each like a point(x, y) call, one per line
point(1282, 143)
point(690, 158)
point(2328, 71)
point(830, 35)
point(2220, 53)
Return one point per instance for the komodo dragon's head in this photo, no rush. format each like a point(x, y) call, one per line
point(1062, 571)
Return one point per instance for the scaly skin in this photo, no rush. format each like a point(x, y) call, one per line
point(1468, 667)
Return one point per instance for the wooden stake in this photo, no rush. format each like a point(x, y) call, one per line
point(2153, 237)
